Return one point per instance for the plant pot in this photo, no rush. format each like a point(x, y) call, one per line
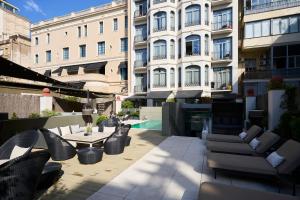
point(87, 111)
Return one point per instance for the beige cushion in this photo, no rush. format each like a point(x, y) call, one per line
point(226, 147)
point(75, 128)
point(224, 138)
point(217, 191)
point(290, 150)
point(54, 130)
point(18, 151)
point(65, 130)
point(267, 139)
point(109, 129)
point(240, 163)
point(252, 132)
point(4, 161)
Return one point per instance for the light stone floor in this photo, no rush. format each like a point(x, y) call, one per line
point(173, 170)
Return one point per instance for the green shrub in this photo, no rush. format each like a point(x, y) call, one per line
point(49, 113)
point(135, 114)
point(127, 104)
point(71, 98)
point(289, 99)
point(14, 116)
point(101, 118)
point(295, 128)
point(120, 114)
point(34, 115)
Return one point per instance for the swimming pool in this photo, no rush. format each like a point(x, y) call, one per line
point(149, 124)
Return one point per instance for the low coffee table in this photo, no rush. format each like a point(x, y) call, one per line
point(90, 139)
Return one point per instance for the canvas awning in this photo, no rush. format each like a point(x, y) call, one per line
point(158, 94)
point(188, 94)
point(94, 66)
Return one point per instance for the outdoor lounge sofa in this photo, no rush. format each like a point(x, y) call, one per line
point(252, 132)
point(267, 140)
point(217, 191)
point(259, 166)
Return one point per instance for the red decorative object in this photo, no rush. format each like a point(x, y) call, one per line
point(250, 92)
point(118, 98)
point(46, 92)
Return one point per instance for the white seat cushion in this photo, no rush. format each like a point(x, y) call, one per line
point(109, 129)
point(65, 130)
point(54, 130)
point(275, 159)
point(18, 151)
point(75, 128)
point(95, 129)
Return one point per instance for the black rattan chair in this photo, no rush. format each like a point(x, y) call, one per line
point(26, 139)
point(111, 122)
point(19, 176)
point(125, 131)
point(59, 148)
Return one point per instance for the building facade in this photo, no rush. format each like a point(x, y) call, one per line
point(15, 42)
point(181, 48)
point(271, 43)
point(87, 47)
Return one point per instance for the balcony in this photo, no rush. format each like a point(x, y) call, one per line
point(268, 74)
point(159, 29)
point(159, 57)
point(140, 15)
point(220, 57)
point(192, 84)
point(259, 8)
point(222, 27)
point(140, 63)
point(172, 28)
point(159, 85)
point(140, 39)
point(140, 89)
point(192, 23)
point(195, 53)
point(220, 2)
point(159, 1)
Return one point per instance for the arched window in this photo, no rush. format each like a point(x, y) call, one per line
point(192, 76)
point(172, 77)
point(192, 45)
point(192, 15)
point(159, 78)
point(160, 50)
point(206, 75)
point(206, 14)
point(160, 21)
point(206, 44)
point(172, 16)
point(172, 49)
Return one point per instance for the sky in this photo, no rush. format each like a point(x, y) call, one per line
point(38, 10)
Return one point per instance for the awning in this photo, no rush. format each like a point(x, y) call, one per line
point(48, 72)
point(75, 68)
point(188, 94)
point(158, 95)
point(94, 66)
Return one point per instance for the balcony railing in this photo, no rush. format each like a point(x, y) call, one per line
point(159, 85)
point(140, 13)
point(159, 57)
point(172, 56)
point(194, 53)
point(268, 74)
point(158, 29)
point(172, 28)
point(222, 56)
point(140, 89)
point(192, 23)
point(140, 38)
point(221, 25)
point(159, 1)
point(192, 84)
point(252, 9)
point(140, 63)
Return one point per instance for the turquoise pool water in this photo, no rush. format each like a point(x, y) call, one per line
point(150, 125)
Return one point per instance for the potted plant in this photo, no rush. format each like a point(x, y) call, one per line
point(89, 129)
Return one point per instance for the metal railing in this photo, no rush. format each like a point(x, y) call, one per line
point(159, 1)
point(252, 9)
point(159, 57)
point(140, 13)
point(158, 29)
point(221, 25)
point(268, 74)
point(140, 38)
point(221, 56)
point(140, 63)
point(192, 23)
point(192, 84)
point(172, 56)
point(140, 88)
point(172, 28)
point(194, 53)
point(159, 85)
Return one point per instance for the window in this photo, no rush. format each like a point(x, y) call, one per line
point(266, 28)
point(140, 33)
point(206, 14)
point(179, 77)
point(192, 45)
point(222, 49)
point(124, 72)
point(293, 56)
point(249, 30)
point(36, 59)
point(140, 58)
point(36, 41)
point(79, 31)
point(192, 76)
point(48, 38)
point(179, 19)
point(172, 21)
point(140, 9)
point(48, 56)
point(222, 19)
point(257, 29)
point(172, 77)
point(126, 22)
point(82, 51)
point(160, 50)
point(294, 24)
point(206, 41)
point(66, 53)
point(179, 48)
point(85, 30)
point(172, 49)
point(250, 64)
point(192, 15)
point(124, 44)
point(115, 24)
point(159, 78)
point(101, 28)
point(101, 48)
point(222, 78)
point(275, 26)
point(160, 22)
point(206, 75)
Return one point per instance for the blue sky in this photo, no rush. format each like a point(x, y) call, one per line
point(37, 10)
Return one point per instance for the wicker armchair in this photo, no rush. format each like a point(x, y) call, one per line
point(59, 148)
point(19, 176)
point(26, 139)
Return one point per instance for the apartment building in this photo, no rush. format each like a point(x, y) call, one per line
point(14, 35)
point(186, 49)
point(271, 43)
point(88, 47)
